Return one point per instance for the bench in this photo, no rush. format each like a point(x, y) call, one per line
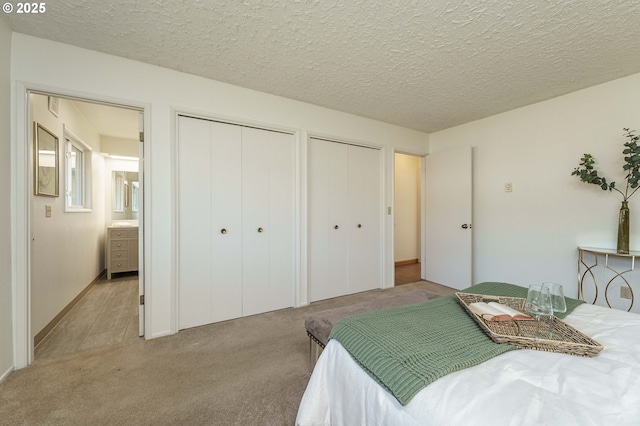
point(319, 324)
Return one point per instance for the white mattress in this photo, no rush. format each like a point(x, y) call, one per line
point(522, 387)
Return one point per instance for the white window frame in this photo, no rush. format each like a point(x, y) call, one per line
point(71, 140)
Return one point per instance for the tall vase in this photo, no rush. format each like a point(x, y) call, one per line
point(623, 229)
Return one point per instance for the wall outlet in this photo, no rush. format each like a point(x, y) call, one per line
point(625, 293)
point(508, 187)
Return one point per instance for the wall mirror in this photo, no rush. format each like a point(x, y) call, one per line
point(45, 162)
point(125, 195)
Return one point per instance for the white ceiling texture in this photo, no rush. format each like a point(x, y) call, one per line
point(426, 64)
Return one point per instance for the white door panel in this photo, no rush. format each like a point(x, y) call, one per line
point(194, 207)
point(255, 221)
point(364, 219)
point(281, 220)
point(327, 177)
point(448, 193)
point(226, 219)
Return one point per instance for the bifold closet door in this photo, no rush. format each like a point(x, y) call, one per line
point(364, 224)
point(209, 222)
point(327, 219)
point(268, 231)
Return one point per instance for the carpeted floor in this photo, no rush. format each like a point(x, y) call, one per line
point(249, 371)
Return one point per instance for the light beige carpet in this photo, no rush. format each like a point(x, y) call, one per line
point(249, 371)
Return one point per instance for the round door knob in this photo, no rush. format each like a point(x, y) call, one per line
point(465, 226)
point(336, 227)
point(260, 229)
point(359, 225)
point(223, 231)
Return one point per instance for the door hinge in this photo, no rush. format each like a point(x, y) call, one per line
point(142, 299)
point(141, 137)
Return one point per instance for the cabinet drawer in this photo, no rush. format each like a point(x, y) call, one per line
point(119, 265)
point(119, 245)
point(123, 233)
point(119, 255)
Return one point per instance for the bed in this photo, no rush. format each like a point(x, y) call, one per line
point(519, 387)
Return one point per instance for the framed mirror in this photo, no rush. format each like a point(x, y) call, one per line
point(45, 162)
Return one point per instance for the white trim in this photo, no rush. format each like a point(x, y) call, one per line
point(340, 139)
point(21, 213)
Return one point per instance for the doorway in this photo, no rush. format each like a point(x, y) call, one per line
point(73, 306)
point(407, 218)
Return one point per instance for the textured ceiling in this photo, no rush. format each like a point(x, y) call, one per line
point(426, 65)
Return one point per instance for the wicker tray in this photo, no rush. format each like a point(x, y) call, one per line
point(565, 339)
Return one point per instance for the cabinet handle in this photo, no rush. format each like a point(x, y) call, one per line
point(260, 229)
point(359, 225)
point(119, 254)
point(336, 227)
point(465, 226)
point(223, 231)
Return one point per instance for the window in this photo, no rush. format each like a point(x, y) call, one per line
point(77, 174)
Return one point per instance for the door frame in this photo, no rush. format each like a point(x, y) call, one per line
point(22, 182)
point(423, 202)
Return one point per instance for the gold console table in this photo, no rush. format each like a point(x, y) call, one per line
point(598, 253)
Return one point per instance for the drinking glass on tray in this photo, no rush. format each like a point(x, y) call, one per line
point(539, 304)
point(558, 303)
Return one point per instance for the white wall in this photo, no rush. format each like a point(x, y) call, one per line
point(531, 234)
point(119, 146)
point(407, 207)
point(45, 64)
point(6, 298)
point(67, 250)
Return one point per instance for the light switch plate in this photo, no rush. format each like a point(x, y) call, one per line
point(47, 211)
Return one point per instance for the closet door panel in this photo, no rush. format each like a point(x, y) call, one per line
point(364, 219)
point(327, 209)
point(256, 229)
point(226, 219)
point(282, 220)
point(194, 223)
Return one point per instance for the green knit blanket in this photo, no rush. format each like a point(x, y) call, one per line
point(406, 348)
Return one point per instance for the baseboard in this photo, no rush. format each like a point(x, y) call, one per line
point(6, 374)
point(47, 328)
point(406, 262)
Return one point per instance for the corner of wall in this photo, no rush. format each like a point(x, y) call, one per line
point(7, 361)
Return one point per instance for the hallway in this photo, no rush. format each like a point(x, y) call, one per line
point(106, 315)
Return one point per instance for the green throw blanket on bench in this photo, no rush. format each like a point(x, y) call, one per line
point(406, 348)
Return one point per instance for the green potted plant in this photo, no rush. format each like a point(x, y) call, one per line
point(588, 174)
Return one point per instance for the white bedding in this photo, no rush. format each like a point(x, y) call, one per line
point(522, 387)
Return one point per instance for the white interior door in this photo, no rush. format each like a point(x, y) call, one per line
point(448, 213)
point(327, 216)
point(364, 219)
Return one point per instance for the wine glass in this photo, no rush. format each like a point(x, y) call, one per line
point(558, 302)
point(538, 304)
